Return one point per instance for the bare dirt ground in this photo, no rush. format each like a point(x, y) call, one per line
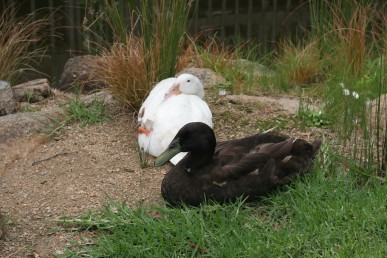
point(77, 171)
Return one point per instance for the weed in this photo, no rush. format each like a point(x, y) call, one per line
point(29, 94)
point(51, 125)
point(228, 117)
point(29, 108)
point(279, 123)
point(244, 122)
point(75, 111)
point(143, 157)
point(3, 223)
point(309, 117)
point(79, 112)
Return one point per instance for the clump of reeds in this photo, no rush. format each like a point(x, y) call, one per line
point(352, 39)
point(133, 62)
point(122, 67)
point(21, 44)
point(163, 25)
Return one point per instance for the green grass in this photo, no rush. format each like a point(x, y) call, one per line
point(79, 112)
point(325, 214)
point(76, 111)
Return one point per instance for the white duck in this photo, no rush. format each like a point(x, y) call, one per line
point(184, 83)
point(172, 103)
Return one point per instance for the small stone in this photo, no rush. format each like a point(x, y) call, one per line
point(59, 252)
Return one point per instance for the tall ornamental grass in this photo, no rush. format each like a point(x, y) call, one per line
point(122, 67)
point(143, 48)
point(298, 64)
point(163, 25)
point(352, 39)
point(21, 44)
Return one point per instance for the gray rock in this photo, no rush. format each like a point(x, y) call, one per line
point(32, 91)
point(7, 103)
point(15, 125)
point(252, 68)
point(208, 77)
point(79, 74)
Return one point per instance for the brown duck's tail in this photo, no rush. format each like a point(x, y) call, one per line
point(299, 162)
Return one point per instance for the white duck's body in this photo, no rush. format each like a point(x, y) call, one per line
point(183, 84)
point(173, 103)
point(154, 99)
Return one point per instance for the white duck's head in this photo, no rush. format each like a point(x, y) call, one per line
point(186, 84)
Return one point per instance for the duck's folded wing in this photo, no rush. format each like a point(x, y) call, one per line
point(250, 163)
point(277, 150)
point(154, 99)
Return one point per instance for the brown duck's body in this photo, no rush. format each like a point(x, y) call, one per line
point(247, 167)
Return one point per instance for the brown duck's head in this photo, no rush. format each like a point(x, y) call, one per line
point(196, 138)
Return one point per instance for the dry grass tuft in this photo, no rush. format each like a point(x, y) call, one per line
point(133, 64)
point(17, 37)
point(349, 38)
point(222, 59)
point(299, 64)
point(122, 68)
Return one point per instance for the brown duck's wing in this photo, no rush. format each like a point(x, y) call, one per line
point(246, 165)
point(236, 149)
point(230, 168)
point(237, 158)
point(277, 150)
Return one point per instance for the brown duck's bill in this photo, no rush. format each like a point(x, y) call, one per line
point(166, 156)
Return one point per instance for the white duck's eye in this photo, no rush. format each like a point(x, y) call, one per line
point(188, 80)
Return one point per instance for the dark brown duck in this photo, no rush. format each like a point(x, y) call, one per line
point(224, 171)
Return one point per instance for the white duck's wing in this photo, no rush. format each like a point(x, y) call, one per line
point(200, 111)
point(154, 99)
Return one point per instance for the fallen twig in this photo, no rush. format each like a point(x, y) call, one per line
point(56, 155)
